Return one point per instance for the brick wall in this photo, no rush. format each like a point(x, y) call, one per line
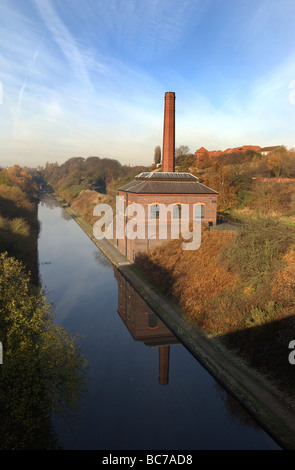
point(130, 248)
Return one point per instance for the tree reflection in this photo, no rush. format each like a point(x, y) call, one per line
point(101, 259)
point(65, 214)
point(43, 370)
point(49, 201)
point(236, 412)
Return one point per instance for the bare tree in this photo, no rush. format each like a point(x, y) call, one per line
point(157, 155)
point(181, 150)
point(180, 153)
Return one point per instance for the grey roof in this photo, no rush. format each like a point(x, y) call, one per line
point(166, 175)
point(166, 183)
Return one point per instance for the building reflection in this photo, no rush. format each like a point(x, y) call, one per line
point(144, 325)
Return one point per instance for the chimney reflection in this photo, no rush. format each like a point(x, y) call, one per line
point(164, 354)
point(144, 325)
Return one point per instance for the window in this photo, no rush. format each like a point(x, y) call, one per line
point(154, 211)
point(197, 211)
point(153, 321)
point(176, 211)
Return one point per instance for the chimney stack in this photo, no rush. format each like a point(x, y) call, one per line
point(168, 158)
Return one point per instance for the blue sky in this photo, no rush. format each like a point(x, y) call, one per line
point(88, 77)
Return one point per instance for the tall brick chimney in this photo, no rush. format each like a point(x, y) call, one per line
point(168, 158)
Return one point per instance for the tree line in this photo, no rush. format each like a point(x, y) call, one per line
point(232, 175)
point(235, 176)
point(93, 173)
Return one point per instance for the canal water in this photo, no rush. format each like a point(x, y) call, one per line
point(146, 391)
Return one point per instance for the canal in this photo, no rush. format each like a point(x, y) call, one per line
point(146, 391)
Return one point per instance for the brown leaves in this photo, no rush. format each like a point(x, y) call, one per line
point(190, 277)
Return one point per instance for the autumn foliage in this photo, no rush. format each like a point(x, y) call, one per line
point(19, 224)
point(193, 276)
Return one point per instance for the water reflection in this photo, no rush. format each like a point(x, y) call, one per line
point(144, 325)
point(51, 203)
point(48, 201)
point(238, 415)
point(101, 259)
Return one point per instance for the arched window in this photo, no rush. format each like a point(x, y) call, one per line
point(154, 211)
point(176, 211)
point(198, 212)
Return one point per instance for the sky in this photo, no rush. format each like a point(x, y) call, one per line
point(80, 78)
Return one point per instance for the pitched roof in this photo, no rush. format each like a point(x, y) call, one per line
point(269, 149)
point(201, 150)
point(166, 183)
point(166, 175)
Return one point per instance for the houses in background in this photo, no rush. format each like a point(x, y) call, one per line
point(268, 150)
point(202, 153)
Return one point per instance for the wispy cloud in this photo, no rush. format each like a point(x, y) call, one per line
point(64, 39)
point(226, 103)
point(89, 77)
point(147, 30)
point(17, 116)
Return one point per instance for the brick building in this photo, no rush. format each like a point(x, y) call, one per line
point(169, 188)
point(201, 152)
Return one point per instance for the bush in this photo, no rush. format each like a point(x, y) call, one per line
point(272, 198)
point(257, 251)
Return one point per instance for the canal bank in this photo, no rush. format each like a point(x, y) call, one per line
point(258, 396)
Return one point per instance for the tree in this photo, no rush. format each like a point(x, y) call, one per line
point(275, 162)
point(203, 160)
point(220, 178)
point(5, 178)
point(288, 169)
point(43, 370)
point(280, 162)
point(187, 163)
point(180, 153)
point(20, 177)
point(157, 155)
